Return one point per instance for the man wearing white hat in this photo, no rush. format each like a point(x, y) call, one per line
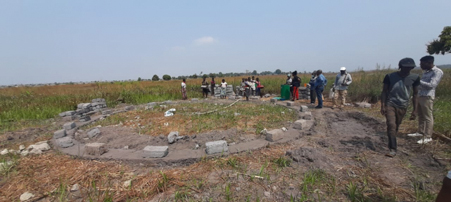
point(340, 87)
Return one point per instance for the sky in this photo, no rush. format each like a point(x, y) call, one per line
point(70, 41)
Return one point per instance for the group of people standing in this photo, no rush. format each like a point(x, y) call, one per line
point(250, 86)
point(398, 89)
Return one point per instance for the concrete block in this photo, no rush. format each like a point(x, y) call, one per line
point(106, 112)
point(70, 113)
point(274, 135)
point(300, 124)
point(290, 103)
point(86, 105)
point(307, 116)
point(85, 118)
point(304, 108)
point(273, 100)
point(95, 149)
point(69, 125)
point(216, 147)
point(65, 142)
point(155, 151)
point(62, 114)
point(59, 134)
point(68, 118)
point(94, 133)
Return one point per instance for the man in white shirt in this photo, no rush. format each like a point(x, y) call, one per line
point(428, 83)
point(342, 81)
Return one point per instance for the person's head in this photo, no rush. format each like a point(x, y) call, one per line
point(223, 80)
point(319, 72)
point(212, 78)
point(288, 75)
point(203, 79)
point(258, 79)
point(253, 77)
point(314, 73)
point(243, 79)
point(342, 70)
point(248, 78)
point(427, 62)
point(406, 64)
point(295, 73)
point(184, 80)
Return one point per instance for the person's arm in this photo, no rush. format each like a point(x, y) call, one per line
point(435, 80)
point(336, 81)
point(349, 80)
point(384, 98)
point(413, 116)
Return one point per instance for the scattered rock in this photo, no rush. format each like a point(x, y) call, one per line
point(59, 133)
point(237, 114)
point(267, 194)
point(304, 108)
point(307, 116)
point(238, 189)
point(94, 133)
point(274, 135)
point(299, 124)
point(65, 142)
point(290, 103)
point(197, 146)
point(95, 149)
point(38, 148)
point(126, 147)
point(127, 183)
point(267, 95)
point(26, 196)
point(4, 152)
point(75, 188)
point(69, 125)
point(263, 132)
point(24, 153)
point(172, 137)
point(284, 129)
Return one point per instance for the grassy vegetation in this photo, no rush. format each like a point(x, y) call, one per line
point(26, 105)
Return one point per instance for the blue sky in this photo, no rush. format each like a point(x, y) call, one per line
point(62, 41)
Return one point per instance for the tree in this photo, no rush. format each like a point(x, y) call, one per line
point(220, 74)
point(155, 78)
point(205, 76)
point(139, 79)
point(166, 77)
point(441, 45)
point(278, 71)
point(254, 72)
point(194, 76)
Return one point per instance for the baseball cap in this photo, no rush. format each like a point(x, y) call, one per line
point(407, 62)
point(343, 69)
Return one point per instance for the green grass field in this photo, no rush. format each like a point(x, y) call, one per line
point(25, 105)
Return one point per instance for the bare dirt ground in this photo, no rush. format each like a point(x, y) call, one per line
point(341, 158)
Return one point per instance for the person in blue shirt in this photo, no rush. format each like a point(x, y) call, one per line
point(319, 85)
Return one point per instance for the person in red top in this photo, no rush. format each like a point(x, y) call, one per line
point(212, 86)
point(296, 83)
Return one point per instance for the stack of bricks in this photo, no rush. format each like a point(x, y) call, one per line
point(304, 93)
point(84, 110)
point(229, 91)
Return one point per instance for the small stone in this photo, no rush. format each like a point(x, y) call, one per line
point(127, 183)
point(197, 146)
point(267, 194)
point(172, 137)
point(94, 133)
point(273, 100)
point(21, 147)
point(26, 196)
point(24, 153)
point(274, 188)
point(291, 187)
point(65, 142)
point(4, 152)
point(290, 103)
point(274, 135)
point(237, 114)
point(284, 129)
point(126, 147)
point(304, 108)
point(69, 125)
point(238, 189)
point(75, 188)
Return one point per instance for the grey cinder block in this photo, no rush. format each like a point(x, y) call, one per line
point(155, 151)
point(95, 149)
point(94, 133)
point(299, 124)
point(304, 108)
point(290, 103)
point(69, 125)
point(274, 135)
point(59, 134)
point(65, 142)
point(216, 147)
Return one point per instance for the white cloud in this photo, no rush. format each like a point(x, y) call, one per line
point(178, 48)
point(205, 40)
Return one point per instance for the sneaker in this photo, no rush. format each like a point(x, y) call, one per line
point(318, 107)
point(414, 134)
point(391, 154)
point(424, 140)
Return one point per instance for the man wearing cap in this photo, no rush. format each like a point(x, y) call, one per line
point(428, 83)
point(340, 87)
point(395, 99)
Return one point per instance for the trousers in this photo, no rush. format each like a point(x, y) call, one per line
point(394, 118)
point(425, 117)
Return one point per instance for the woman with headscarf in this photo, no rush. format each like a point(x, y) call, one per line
point(296, 84)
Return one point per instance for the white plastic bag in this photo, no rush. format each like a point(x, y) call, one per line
point(331, 93)
point(169, 112)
